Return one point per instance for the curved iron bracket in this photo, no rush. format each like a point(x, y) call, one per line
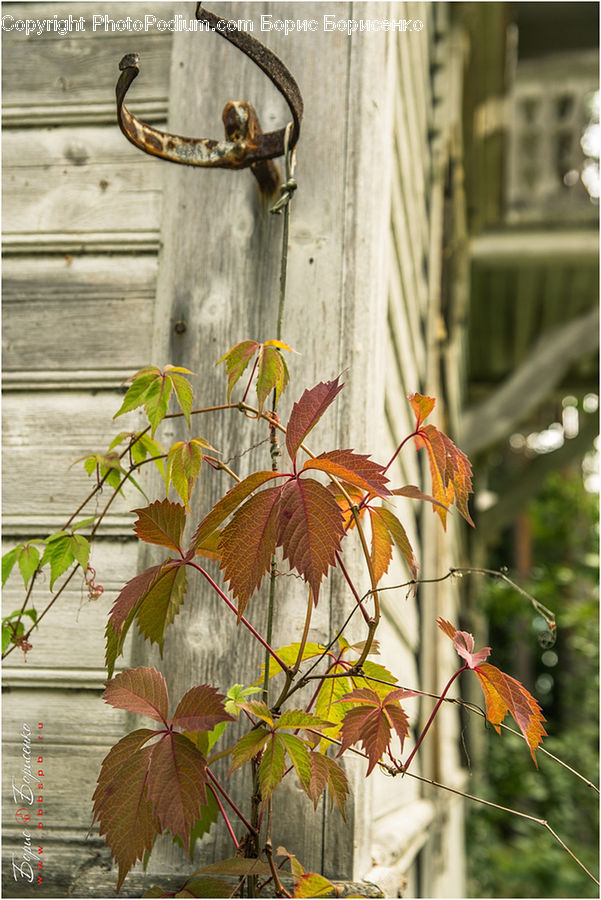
point(245, 145)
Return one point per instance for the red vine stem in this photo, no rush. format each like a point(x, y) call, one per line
point(228, 824)
point(433, 715)
point(244, 621)
point(229, 800)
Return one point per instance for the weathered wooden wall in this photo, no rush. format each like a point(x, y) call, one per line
point(87, 302)
point(81, 220)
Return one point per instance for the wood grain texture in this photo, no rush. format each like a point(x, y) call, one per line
point(38, 477)
point(80, 68)
point(73, 182)
point(219, 271)
point(71, 639)
point(103, 305)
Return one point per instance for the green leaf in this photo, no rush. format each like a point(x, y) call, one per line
point(375, 670)
point(183, 465)
point(298, 718)
point(289, 655)
point(29, 560)
point(59, 554)
point(80, 548)
point(136, 393)
point(248, 746)
point(313, 885)
point(84, 523)
point(183, 392)
point(236, 694)
point(299, 754)
point(146, 446)
point(207, 887)
point(156, 401)
point(327, 705)
point(8, 561)
point(272, 374)
point(236, 360)
point(161, 603)
point(272, 766)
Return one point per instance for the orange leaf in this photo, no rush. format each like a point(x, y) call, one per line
point(504, 694)
point(422, 407)
point(354, 468)
point(381, 544)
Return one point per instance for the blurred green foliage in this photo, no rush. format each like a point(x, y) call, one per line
point(508, 856)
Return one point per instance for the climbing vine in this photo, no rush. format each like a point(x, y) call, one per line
point(161, 779)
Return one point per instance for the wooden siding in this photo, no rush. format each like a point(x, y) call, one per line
point(84, 217)
point(76, 322)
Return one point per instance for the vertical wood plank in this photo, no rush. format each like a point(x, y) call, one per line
point(219, 272)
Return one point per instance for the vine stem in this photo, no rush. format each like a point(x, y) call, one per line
point(229, 800)
point(228, 824)
point(232, 606)
point(507, 809)
point(445, 787)
point(280, 890)
point(398, 450)
point(433, 715)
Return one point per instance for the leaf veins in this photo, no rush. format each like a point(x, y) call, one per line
point(371, 721)
point(307, 412)
point(310, 529)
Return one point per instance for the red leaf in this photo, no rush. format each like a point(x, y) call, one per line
point(200, 709)
point(228, 504)
point(161, 523)
point(355, 468)
point(307, 412)
point(504, 694)
point(464, 645)
point(422, 407)
point(120, 803)
point(135, 588)
point(371, 722)
point(248, 543)
point(176, 784)
point(142, 690)
point(310, 529)
point(326, 771)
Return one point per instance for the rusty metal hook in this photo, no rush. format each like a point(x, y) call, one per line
point(245, 145)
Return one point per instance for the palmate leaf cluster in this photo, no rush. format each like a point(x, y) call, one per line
point(158, 780)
